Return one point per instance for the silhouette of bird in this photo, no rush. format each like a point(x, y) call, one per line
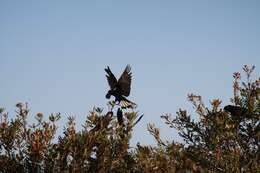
point(119, 115)
point(120, 88)
point(236, 112)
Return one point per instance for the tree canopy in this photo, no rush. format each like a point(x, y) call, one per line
point(222, 138)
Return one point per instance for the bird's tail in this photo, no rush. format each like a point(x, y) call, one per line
point(127, 104)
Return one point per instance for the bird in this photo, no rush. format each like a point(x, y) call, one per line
point(236, 112)
point(120, 88)
point(120, 116)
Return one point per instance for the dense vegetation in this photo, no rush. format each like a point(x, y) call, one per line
point(219, 140)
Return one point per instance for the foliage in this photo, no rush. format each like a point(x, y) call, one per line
point(219, 140)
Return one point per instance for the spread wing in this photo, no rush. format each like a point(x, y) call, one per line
point(125, 81)
point(111, 79)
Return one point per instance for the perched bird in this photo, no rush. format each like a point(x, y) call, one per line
point(120, 88)
point(119, 115)
point(235, 111)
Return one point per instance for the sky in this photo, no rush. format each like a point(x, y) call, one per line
point(53, 54)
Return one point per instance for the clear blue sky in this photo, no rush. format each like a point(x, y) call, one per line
point(53, 53)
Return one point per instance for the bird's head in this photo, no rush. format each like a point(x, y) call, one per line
point(228, 108)
point(108, 95)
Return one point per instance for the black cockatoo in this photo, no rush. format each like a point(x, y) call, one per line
point(236, 112)
point(119, 115)
point(120, 88)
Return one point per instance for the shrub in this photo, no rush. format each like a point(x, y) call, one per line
point(219, 140)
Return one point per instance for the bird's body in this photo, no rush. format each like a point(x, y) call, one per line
point(119, 115)
point(116, 93)
point(120, 88)
point(237, 113)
